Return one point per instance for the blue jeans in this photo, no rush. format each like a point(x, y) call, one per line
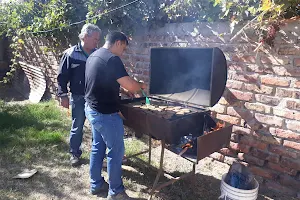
point(78, 117)
point(108, 132)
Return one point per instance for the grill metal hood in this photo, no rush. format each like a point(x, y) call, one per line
point(195, 76)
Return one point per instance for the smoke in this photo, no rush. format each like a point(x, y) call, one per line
point(181, 70)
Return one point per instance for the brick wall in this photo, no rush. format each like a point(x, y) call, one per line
point(43, 53)
point(261, 98)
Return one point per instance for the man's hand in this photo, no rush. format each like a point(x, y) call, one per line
point(143, 86)
point(127, 93)
point(64, 102)
point(130, 84)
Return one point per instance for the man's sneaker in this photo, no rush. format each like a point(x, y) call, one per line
point(74, 160)
point(102, 189)
point(120, 196)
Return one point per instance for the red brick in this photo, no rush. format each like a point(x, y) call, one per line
point(282, 151)
point(286, 71)
point(217, 156)
point(281, 169)
point(241, 130)
point(284, 133)
point(250, 159)
point(241, 76)
point(128, 64)
point(235, 67)
point(268, 80)
point(229, 160)
point(274, 186)
point(281, 71)
point(292, 145)
point(293, 104)
point(281, 92)
point(267, 119)
point(223, 101)
point(259, 89)
point(234, 84)
point(297, 84)
point(245, 59)
point(239, 147)
point(266, 173)
point(286, 113)
point(265, 155)
point(253, 143)
point(142, 65)
point(219, 108)
point(137, 71)
point(234, 137)
point(297, 62)
point(234, 146)
point(264, 135)
point(244, 96)
point(274, 60)
point(146, 73)
point(258, 107)
point(240, 112)
point(231, 98)
point(288, 51)
point(267, 99)
point(228, 152)
point(255, 68)
point(229, 119)
point(289, 181)
point(213, 114)
point(296, 94)
point(293, 125)
point(290, 163)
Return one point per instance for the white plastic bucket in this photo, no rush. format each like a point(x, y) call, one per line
point(230, 193)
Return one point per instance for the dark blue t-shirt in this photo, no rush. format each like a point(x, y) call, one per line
point(103, 69)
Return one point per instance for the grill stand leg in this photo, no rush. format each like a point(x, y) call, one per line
point(150, 147)
point(160, 171)
point(193, 177)
point(173, 179)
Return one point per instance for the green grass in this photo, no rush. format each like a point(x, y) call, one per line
point(31, 130)
point(133, 146)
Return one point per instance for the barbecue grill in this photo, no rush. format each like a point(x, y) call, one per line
point(184, 84)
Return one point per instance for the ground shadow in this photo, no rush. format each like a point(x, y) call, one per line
point(9, 94)
point(202, 187)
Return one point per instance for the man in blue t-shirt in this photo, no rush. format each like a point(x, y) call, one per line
point(104, 75)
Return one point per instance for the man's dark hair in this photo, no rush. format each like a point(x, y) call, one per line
point(114, 36)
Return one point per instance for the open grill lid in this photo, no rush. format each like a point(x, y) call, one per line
point(195, 76)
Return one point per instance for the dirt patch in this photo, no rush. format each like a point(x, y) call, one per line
point(56, 180)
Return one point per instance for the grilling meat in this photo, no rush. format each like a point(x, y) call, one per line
point(166, 112)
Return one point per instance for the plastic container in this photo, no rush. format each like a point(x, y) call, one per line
point(230, 193)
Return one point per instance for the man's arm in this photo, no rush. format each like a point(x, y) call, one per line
point(63, 78)
point(130, 84)
point(123, 78)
